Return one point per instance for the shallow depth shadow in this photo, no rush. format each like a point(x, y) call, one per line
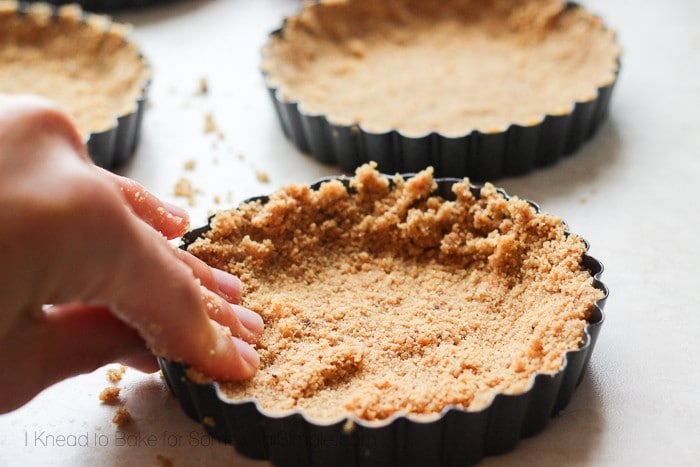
point(568, 439)
point(161, 428)
point(568, 174)
point(159, 12)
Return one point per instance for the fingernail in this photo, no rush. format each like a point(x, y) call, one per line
point(174, 210)
point(228, 284)
point(250, 319)
point(247, 352)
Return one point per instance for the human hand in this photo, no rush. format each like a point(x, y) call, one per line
point(94, 245)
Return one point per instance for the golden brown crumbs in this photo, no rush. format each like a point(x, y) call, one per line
point(110, 395)
point(378, 300)
point(190, 164)
point(204, 86)
point(164, 460)
point(209, 124)
point(89, 69)
point(216, 199)
point(348, 427)
point(122, 417)
point(184, 189)
point(541, 54)
point(114, 375)
point(262, 177)
point(209, 421)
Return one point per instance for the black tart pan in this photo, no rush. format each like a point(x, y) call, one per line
point(112, 147)
point(108, 5)
point(481, 156)
point(455, 437)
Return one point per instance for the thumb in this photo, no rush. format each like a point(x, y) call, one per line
point(64, 341)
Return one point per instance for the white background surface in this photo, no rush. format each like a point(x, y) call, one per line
point(632, 192)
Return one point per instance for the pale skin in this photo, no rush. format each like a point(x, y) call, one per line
point(94, 246)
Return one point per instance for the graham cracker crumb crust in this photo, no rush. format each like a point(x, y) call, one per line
point(380, 300)
point(450, 67)
point(83, 64)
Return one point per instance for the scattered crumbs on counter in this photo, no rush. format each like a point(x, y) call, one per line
point(209, 123)
point(122, 417)
point(110, 395)
point(262, 177)
point(190, 164)
point(210, 126)
point(203, 86)
point(114, 375)
point(184, 189)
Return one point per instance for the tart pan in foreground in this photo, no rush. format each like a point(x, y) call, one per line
point(455, 437)
point(85, 63)
point(444, 120)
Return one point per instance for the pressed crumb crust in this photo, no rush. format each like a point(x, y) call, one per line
point(85, 65)
point(378, 300)
point(450, 66)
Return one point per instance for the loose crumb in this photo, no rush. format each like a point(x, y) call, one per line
point(122, 417)
point(190, 164)
point(262, 177)
point(184, 189)
point(348, 426)
point(209, 124)
point(383, 298)
point(114, 375)
point(110, 395)
point(209, 421)
point(216, 199)
point(204, 86)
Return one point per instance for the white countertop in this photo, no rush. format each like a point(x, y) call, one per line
point(631, 192)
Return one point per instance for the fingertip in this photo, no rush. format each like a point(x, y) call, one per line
point(230, 359)
point(168, 219)
point(229, 285)
point(252, 321)
point(175, 211)
point(248, 354)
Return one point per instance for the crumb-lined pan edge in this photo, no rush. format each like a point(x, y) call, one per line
point(455, 437)
point(114, 146)
point(481, 156)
